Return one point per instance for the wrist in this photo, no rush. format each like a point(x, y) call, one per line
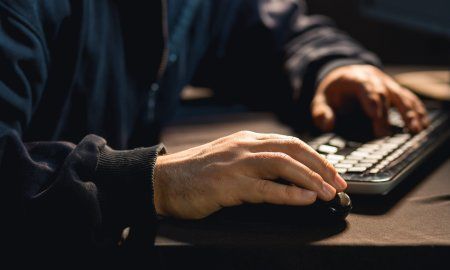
point(159, 177)
point(342, 79)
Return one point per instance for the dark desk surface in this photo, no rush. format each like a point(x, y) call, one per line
point(409, 227)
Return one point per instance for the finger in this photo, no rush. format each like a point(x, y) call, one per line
point(406, 107)
point(276, 165)
point(419, 108)
point(409, 105)
point(381, 126)
point(322, 114)
point(266, 191)
point(375, 104)
point(304, 154)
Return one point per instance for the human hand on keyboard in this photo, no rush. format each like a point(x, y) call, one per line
point(242, 167)
point(374, 91)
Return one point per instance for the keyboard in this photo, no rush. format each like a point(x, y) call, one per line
point(377, 166)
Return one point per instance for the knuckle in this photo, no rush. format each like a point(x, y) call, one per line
point(251, 157)
point(410, 114)
point(374, 97)
point(263, 186)
point(310, 199)
point(246, 133)
point(293, 142)
point(422, 111)
point(241, 143)
point(407, 103)
point(328, 172)
point(288, 192)
point(365, 82)
point(314, 177)
point(279, 156)
point(328, 166)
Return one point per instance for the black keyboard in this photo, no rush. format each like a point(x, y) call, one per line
point(375, 167)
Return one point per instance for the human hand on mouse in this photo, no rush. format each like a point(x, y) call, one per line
point(240, 168)
point(374, 90)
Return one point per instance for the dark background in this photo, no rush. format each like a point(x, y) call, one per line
point(395, 44)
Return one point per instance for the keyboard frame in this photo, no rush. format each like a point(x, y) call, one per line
point(383, 182)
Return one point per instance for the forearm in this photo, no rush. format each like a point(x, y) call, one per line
point(276, 52)
point(315, 47)
point(75, 196)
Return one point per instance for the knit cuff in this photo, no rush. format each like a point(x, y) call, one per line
point(125, 186)
point(327, 68)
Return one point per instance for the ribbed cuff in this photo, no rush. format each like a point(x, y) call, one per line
point(327, 68)
point(125, 184)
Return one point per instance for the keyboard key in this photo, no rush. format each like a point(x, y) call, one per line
point(359, 154)
point(370, 160)
point(322, 139)
point(335, 157)
point(354, 157)
point(389, 145)
point(357, 169)
point(370, 146)
point(374, 171)
point(328, 149)
point(343, 165)
point(375, 156)
point(337, 142)
point(402, 135)
point(333, 161)
point(367, 165)
point(384, 162)
point(341, 170)
point(378, 141)
point(390, 158)
point(398, 152)
point(365, 150)
point(348, 161)
point(380, 167)
point(397, 140)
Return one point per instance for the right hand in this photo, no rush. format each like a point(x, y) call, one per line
point(239, 168)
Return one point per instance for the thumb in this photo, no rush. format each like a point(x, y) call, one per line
point(322, 114)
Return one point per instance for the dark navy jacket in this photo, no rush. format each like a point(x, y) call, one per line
point(81, 78)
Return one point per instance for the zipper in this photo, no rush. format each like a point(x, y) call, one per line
point(154, 87)
point(165, 30)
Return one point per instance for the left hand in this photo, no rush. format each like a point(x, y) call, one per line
point(375, 91)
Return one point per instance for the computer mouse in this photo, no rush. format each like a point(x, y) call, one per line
point(320, 212)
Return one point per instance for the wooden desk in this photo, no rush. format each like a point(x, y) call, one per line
point(408, 228)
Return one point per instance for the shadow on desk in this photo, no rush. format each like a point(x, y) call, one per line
point(226, 233)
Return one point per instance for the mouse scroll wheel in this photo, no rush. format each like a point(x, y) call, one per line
point(344, 199)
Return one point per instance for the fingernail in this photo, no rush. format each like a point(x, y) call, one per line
point(329, 191)
point(323, 124)
point(425, 121)
point(415, 126)
point(309, 193)
point(340, 182)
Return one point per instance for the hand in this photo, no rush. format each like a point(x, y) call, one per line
point(374, 90)
point(239, 169)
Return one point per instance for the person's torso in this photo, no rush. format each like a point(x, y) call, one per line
point(105, 56)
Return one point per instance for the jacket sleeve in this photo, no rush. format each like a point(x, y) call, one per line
point(272, 51)
point(54, 193)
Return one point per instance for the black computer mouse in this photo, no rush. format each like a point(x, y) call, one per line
point(329, 212)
